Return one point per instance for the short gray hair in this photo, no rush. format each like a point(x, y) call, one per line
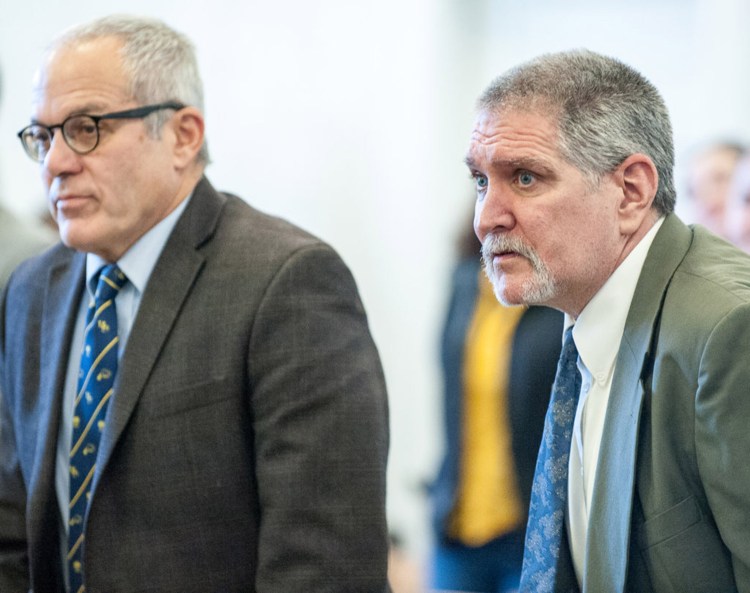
point(605, 112)
point(160, 62)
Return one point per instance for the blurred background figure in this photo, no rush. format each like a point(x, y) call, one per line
point(710, 170)
point(737, 212)
point(18, 239)
point(498, 367)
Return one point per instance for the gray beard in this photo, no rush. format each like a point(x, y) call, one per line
point(537, 290)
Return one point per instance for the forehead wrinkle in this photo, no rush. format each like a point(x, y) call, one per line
point(515, 142)
point(535, 125)
point(514, 139)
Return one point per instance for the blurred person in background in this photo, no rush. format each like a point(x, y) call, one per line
point(19, 239)
point(709, 174)
point(737, 213)
point(498, 364)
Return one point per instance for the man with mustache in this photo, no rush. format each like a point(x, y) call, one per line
point(642, 482)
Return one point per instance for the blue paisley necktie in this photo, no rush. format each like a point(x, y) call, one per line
point(546, 559)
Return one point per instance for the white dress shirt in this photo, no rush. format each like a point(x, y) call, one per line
point(597, 333)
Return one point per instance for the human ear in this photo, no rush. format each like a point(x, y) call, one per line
point(188, 129)
point(638, 180)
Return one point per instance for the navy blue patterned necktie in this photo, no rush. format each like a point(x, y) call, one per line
point(95, 385)
point(546, 560)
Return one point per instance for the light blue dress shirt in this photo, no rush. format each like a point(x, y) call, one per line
point(137, 264)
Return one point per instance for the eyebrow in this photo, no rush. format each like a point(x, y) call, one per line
point(517, 163)
point(469, 161)
point(88, 109)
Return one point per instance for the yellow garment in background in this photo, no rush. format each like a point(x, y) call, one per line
point(488, 503)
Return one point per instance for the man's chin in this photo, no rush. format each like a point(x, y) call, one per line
point(513, 295)
point(75, 237)
point(506, 294)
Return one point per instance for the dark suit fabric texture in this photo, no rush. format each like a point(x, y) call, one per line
point(670, 511)
point(535, 351)
point(246, 443)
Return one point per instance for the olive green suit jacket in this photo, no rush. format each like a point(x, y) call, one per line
point(671, 506)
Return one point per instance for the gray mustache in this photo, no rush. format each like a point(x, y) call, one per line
point(499, 243)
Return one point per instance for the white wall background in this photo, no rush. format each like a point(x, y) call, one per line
point(351, 119)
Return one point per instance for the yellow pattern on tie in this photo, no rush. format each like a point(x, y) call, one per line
point(95, 389)
point(488, 504)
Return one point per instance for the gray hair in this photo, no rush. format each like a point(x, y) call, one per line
point(160, 62)
point(605, 112)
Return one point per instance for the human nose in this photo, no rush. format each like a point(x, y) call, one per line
point(493, 213)
point(60, 158)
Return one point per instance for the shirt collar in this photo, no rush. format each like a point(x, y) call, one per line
point(599, 328)
point(138, 262)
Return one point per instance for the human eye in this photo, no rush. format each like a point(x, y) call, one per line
point(525, 178)
point(81, 128)
point(480, 181)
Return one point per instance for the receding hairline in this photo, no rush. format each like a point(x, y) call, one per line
point(539, 103)
point(60, 51)
point(64, 44)
point(545, 109)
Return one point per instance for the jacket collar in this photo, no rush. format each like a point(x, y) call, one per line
point(171, 281)
point(610, 519)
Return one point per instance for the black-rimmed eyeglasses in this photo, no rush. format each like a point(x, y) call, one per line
point(80, 131)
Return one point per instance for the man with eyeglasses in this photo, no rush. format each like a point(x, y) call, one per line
point(192, 401)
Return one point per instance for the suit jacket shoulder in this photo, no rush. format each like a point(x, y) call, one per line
point(249, 386)
point(667, 501)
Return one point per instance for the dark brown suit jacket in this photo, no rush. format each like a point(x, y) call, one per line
point(246, 443)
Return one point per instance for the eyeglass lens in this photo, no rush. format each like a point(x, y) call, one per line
point(80, 132)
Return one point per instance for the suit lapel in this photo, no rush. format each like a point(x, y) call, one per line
point(609, 519)
point(62, 297)
point(169, 286)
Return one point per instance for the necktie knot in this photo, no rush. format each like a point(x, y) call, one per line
point(567, 387)
point(569, 354)
point(110, 281)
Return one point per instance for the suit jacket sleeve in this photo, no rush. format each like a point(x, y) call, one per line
point(13, 555)
point(321, 436)
point(723, 438)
